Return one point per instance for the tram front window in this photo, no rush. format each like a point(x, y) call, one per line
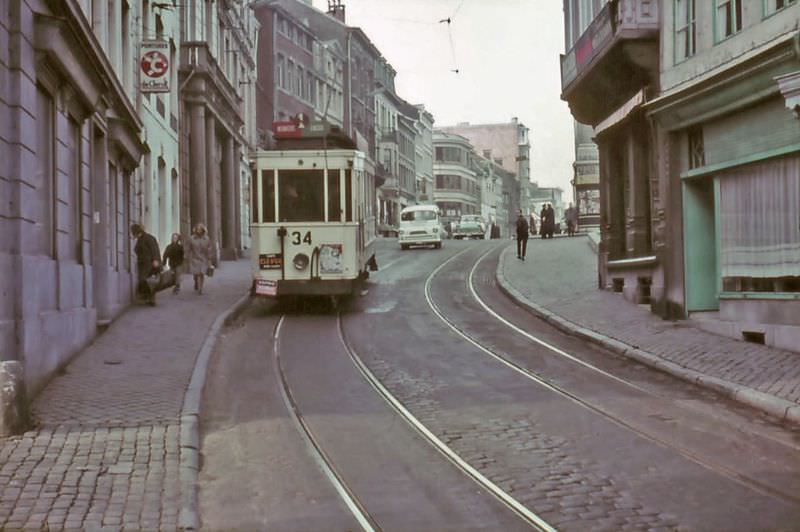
point(301, 196)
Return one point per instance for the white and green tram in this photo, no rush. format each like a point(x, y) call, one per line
point(313, 222)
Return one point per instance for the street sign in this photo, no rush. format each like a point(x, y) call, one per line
point(154, 66)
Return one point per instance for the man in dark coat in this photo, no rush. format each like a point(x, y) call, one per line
point(148, 262)
point(551, 221)
point(543, 221)
point(522, 235)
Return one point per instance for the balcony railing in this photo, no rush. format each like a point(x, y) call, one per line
point(618, 20)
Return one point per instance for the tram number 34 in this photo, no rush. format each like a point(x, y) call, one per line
point(298, 238)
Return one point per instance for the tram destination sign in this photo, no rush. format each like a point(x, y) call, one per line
point(292, 129)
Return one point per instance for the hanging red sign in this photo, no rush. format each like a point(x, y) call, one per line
point(154, 66)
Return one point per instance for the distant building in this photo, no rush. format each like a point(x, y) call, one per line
point(495, 181)
point(456, 186)
point(423, 153)
point(508, 145)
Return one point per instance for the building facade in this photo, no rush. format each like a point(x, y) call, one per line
point(606, 77)
point(72, 148)
point(586, 177)
point(695, 110)
point(457, 188)
point(578, 14)
point(358, 57)
point(727, 118)
point(423, 153)
point(217, 59)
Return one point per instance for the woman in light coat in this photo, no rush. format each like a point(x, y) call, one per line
point(199, 248)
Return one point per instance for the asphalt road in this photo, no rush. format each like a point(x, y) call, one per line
point(577, 436)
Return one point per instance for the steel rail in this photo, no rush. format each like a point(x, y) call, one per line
point(531, 375)
point(518, 508)
point(365, 520)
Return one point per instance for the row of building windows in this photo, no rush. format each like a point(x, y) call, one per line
point(454, 209)
point(62, 193)
point(450, 154)
point(728, 16)
point(292, 32)
point(456, 182)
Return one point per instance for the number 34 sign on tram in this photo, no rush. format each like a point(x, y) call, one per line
point(154, 66)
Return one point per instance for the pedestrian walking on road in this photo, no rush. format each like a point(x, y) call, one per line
point(522, 235)
point(173, 257)
point(148, 262)
point(543, 222)
point(199, 248)
point(572, 220)
point(551, 221)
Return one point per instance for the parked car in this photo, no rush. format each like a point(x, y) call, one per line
point(387, 230)
point(470, 226)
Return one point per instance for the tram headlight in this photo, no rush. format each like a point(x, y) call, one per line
point(300, 261)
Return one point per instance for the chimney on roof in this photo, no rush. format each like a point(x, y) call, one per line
point(336, 10)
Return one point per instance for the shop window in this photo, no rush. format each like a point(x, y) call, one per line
point(685, 29)
point(729, 18)
point(759, 207)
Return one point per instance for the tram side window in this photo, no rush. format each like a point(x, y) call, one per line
point(334, 197)
point(348, 195)
point(254, 196)
point(301, 196)
point(267, 191)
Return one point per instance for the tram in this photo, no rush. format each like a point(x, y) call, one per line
point(313, 214)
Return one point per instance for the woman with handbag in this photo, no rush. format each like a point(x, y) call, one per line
point(199, 248)
point(148, 263)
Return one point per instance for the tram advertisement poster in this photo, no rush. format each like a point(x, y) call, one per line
point(330, 258)
point(270, 261)
point(266, 287)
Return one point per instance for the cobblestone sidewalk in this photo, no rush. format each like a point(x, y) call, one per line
point(105, 453)
point(559, 282)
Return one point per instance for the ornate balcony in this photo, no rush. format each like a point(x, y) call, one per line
point(616, 56)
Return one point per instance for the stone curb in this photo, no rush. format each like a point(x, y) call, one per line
point(189, 468)
point(769, 404)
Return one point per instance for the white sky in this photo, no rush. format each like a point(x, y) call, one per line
point(507, 52)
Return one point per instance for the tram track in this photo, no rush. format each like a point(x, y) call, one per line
point(347, 493)
point(576, 398)
point(321, 458)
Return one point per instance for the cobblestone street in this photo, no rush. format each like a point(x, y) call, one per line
point(105, 451)
point(560, 276)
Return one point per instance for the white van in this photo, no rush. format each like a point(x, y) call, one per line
point(420, 226)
